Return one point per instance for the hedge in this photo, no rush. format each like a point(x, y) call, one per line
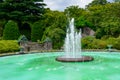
point(8, 46)
point(93, 43)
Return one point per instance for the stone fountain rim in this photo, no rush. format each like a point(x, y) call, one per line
point(72, 59)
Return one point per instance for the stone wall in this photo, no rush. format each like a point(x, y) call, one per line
point(34, 46)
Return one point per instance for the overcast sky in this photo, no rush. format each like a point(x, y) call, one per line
point(62, 4)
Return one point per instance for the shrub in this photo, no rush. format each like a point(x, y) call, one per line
point(37, 31)
point(115, 42)
point(92, 43)
point(86, 42)
point(99, 44)
point(8, 46)
point(11, 31)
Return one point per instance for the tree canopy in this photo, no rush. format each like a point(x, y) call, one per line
point(97, 2)
point(21, 10)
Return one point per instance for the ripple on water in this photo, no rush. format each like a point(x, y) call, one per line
point(36, 67)
point(116, 66)
point(48, 69)
point(29, 69)
point(20, 63)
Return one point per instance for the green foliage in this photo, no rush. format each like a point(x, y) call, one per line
point(8, 46)
point(26, 10)
point(11, 31)
point(99, 33)
point(106, 19)
point(86, 41)
point(92, 43)
point(56, 34)
point(97, 2)
point(2, 23)
point(82, 22)
point(74, 11)
point(115, 42)
point(55, 24)
point(37, 31)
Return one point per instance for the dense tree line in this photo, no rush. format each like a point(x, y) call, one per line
point(106, 19)
point(100, 15)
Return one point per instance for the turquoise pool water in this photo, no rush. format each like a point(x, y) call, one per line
point(43, 66)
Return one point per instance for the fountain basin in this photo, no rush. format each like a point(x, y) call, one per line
point(43, 66)
point(78, 59)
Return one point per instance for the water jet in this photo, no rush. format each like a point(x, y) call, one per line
point(72, 46)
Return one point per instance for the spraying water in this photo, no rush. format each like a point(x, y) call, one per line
point(72, 46)
point(72, 42)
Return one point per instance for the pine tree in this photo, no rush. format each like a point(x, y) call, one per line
point(21, 10)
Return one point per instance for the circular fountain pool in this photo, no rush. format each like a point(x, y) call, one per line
point(43, 66)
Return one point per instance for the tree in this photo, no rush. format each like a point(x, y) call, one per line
point(97, 2)
point(96, 15)
point(74, 11)
point(11, 31)
point(37, 31)
point(21, 10)
point(55, 26)
point(80, 16)
point(2, 23)
point(56, 34)
point(81, 22)
point(106, 19)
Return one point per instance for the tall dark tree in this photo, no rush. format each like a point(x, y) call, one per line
point(1, 0)
point(21, 10)
point(2, 23)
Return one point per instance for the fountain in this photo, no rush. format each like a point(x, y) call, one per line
point(72, 46)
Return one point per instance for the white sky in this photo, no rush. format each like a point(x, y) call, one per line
point(62, 4)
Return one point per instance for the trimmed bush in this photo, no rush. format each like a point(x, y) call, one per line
point(11, 31)
point(37, 31)
point(8, 46)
